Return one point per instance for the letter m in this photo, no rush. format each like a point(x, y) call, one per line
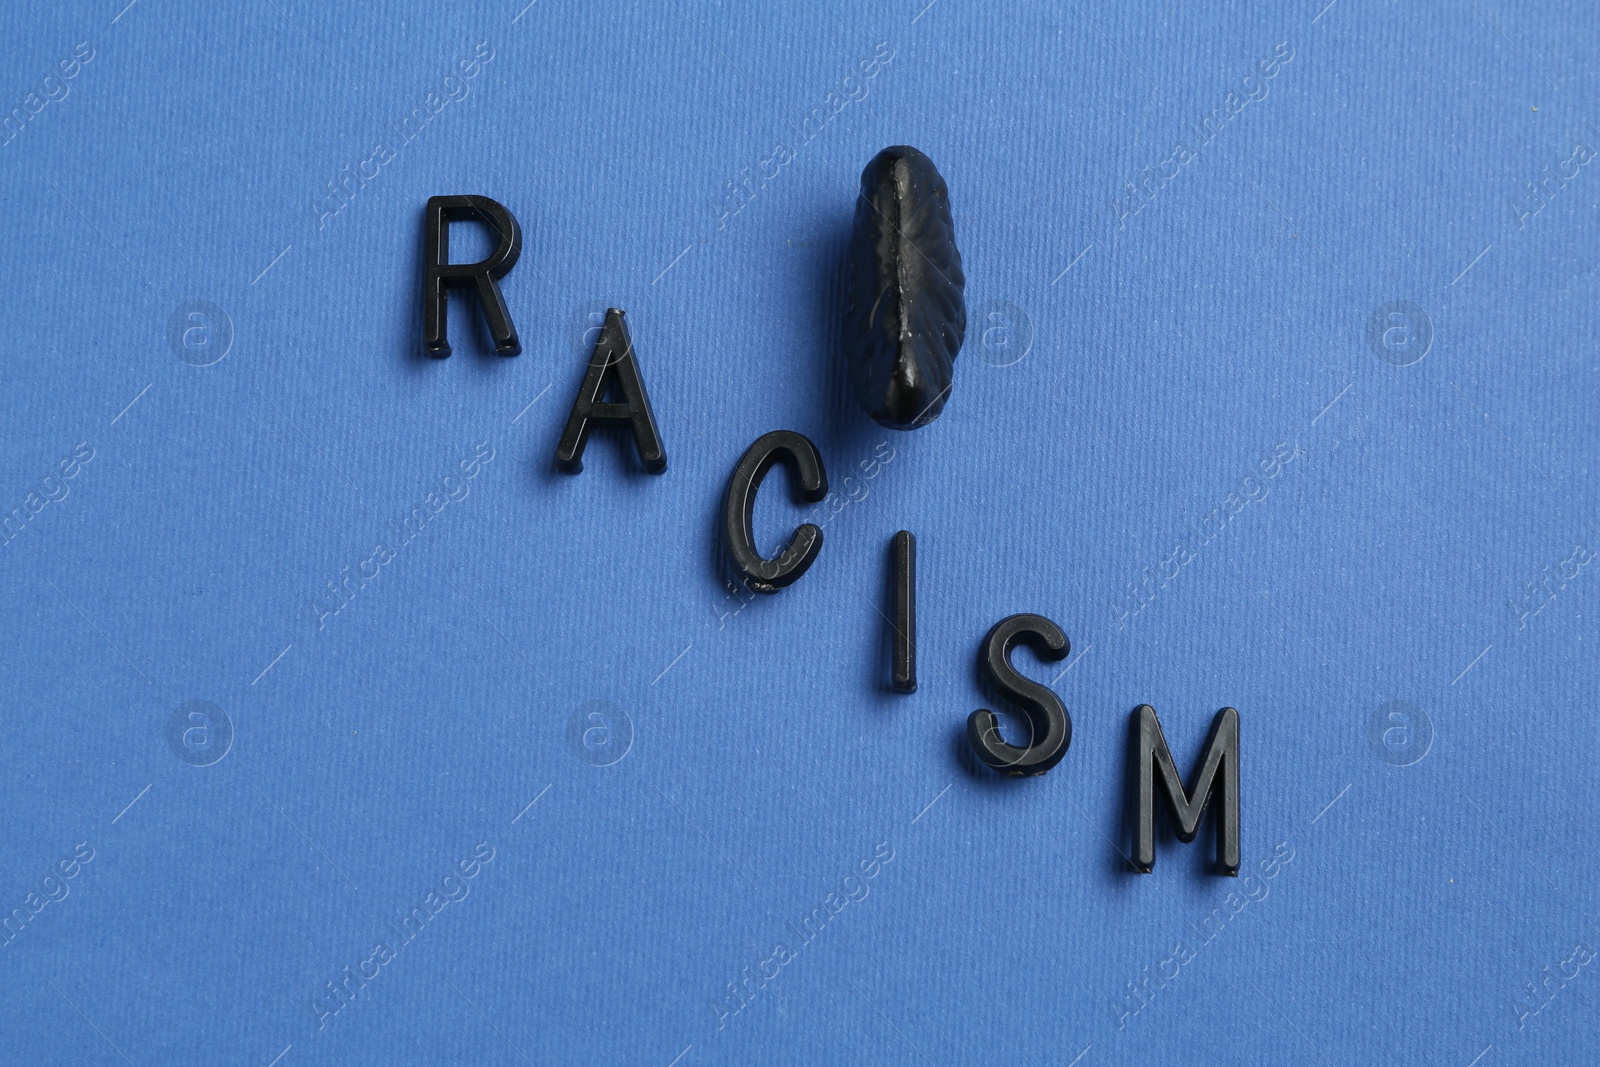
point(1217, 775)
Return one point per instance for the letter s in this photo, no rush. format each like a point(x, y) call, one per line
point(1052, 725)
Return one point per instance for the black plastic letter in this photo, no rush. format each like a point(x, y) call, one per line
point(762, 575)
point(1218, 774)
point(612, 360)
point(1052, 726)
point(903, 564)
point(441, 275)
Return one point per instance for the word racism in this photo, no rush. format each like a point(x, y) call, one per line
point(339, 993)
point(612, 395)
point(853, 889)
point(53, 889)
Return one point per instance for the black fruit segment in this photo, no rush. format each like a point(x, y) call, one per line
point(906, 315)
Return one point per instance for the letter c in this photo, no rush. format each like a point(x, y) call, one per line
point(759, 574)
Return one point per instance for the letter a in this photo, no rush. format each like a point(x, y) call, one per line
point(612, 361)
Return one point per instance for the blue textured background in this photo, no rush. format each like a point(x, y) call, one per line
point(1390, 521)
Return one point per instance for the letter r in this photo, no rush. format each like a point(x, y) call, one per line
point(440, 275)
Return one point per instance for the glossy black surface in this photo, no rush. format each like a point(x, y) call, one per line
point(759, 574)
point(612, 362)
point(906, 314)
point(1051, 726)
point(903, 567)
point(1218, 775)
point(440, 275)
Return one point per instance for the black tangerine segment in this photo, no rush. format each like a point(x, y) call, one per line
point(906, 316)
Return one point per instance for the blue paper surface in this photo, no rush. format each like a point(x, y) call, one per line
point(340, 729)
